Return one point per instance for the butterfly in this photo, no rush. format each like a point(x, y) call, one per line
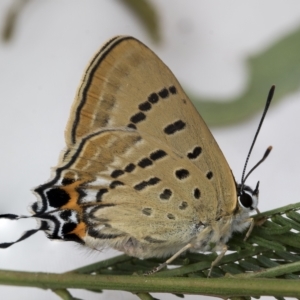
point(141, 171)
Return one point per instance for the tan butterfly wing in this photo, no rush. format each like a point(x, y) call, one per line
point(117, 89)
point(141, 167)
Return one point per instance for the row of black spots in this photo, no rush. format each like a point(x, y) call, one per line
point(182, 174)
point(195, 153)
point(143, 184)
point(154, 97)
point(147, 105)
point(128, 169)
point(174, 127)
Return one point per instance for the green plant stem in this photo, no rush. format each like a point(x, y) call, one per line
point(216, 287)
point(273, 272)
point(101, 264)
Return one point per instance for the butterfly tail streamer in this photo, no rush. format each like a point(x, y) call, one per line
point(26, 234)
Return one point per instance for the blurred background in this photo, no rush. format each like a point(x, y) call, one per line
point(226, 54)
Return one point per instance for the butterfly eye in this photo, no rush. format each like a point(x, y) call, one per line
point(249, 198)
point(246, 200)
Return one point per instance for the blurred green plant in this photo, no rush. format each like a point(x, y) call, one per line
point(148, 16)
point(142, 9)
point(279, 65)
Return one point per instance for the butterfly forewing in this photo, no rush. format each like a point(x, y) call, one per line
point(127, 85)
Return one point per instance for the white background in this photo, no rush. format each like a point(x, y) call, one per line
point(205, 44)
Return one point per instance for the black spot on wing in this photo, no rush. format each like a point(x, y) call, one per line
point(153, 98)
point(166, 194)
point(129, 168)
point(138, 117)
point(145, 162)
point(57, 197)
point(164, 93)
point(68, 227)
point(140, 186)
point(153, 181)
point(67, 181)
point(65, 214)
point(117, 173)
point(183, 205)
point(197, 193)
point(195, 153)
point(145, 106)
point(132, 126)
point(209, 175)
point(115, 183)
point(173, 90)
point(147, 211)
point(157, 154)
point(182, 174)
point(170, 216)
point(143, 184)
point(174, 127)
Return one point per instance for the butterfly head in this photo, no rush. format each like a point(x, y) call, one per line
point(247, 197)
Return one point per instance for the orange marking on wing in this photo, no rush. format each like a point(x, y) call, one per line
point(80, 230)
point(74, 196)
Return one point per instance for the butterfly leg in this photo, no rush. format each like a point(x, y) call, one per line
point(161, 266)
point(250, 228)
point(218, 259)
point(258, 222)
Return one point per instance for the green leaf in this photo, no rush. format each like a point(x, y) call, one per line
point(278, 65)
